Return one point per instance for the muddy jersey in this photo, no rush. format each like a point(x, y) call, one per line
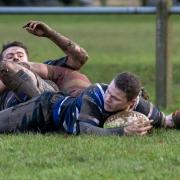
point(89, 108)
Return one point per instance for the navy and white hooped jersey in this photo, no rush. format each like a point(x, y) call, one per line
point(59, 62)
point(89, 108)
point(92, 109)
point(67, 109)
point(9, 99)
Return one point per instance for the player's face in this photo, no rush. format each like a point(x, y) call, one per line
point(115, 99)
point(15, 54)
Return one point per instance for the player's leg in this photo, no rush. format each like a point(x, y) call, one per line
point(22, 80)
point(33, 115)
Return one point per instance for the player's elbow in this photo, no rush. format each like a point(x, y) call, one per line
point(82, 59)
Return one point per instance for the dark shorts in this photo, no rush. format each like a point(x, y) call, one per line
point(34, 115)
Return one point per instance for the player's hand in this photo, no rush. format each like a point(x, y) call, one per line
point(37, 28)
point(138, 129)
point(25, 64)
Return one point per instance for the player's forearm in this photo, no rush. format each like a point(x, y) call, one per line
point(77, 55)
point(89, 129)
point(43, 70)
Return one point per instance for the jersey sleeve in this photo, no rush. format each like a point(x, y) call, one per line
point(62, 61)
point(91, 111)
point(152, 112)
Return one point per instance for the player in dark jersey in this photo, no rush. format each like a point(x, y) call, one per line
point(87, 113)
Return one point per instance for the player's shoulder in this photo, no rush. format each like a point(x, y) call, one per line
point(102, 86)
point(96, 92)
point(98, 87)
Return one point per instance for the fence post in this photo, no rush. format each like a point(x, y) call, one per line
point(103, 2)
point(163, 64)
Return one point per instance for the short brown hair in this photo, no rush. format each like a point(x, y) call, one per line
point(12, 44)
point(128, 83)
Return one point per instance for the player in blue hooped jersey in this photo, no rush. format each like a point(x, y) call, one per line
point(87, 113)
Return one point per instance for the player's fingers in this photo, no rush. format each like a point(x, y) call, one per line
point(146, 123)
point(36, 24)
point(143, 123)
point(143, 133)
point(32, 24)
point(135, 131)
point(140, 129)
point(27, 25)
point(147, 128)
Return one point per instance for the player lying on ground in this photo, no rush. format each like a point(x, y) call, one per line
point(87, 113)
point(15, 62)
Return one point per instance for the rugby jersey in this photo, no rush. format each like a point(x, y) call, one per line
point(89, 108)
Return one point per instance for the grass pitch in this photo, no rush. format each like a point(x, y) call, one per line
point(114, 43)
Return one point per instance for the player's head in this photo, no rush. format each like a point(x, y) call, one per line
point(14, 51)
point(122, 92)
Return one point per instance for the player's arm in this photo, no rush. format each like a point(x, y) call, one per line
point(77, 56)
point(152, 112)
point(45, 71)
point(130, 130)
